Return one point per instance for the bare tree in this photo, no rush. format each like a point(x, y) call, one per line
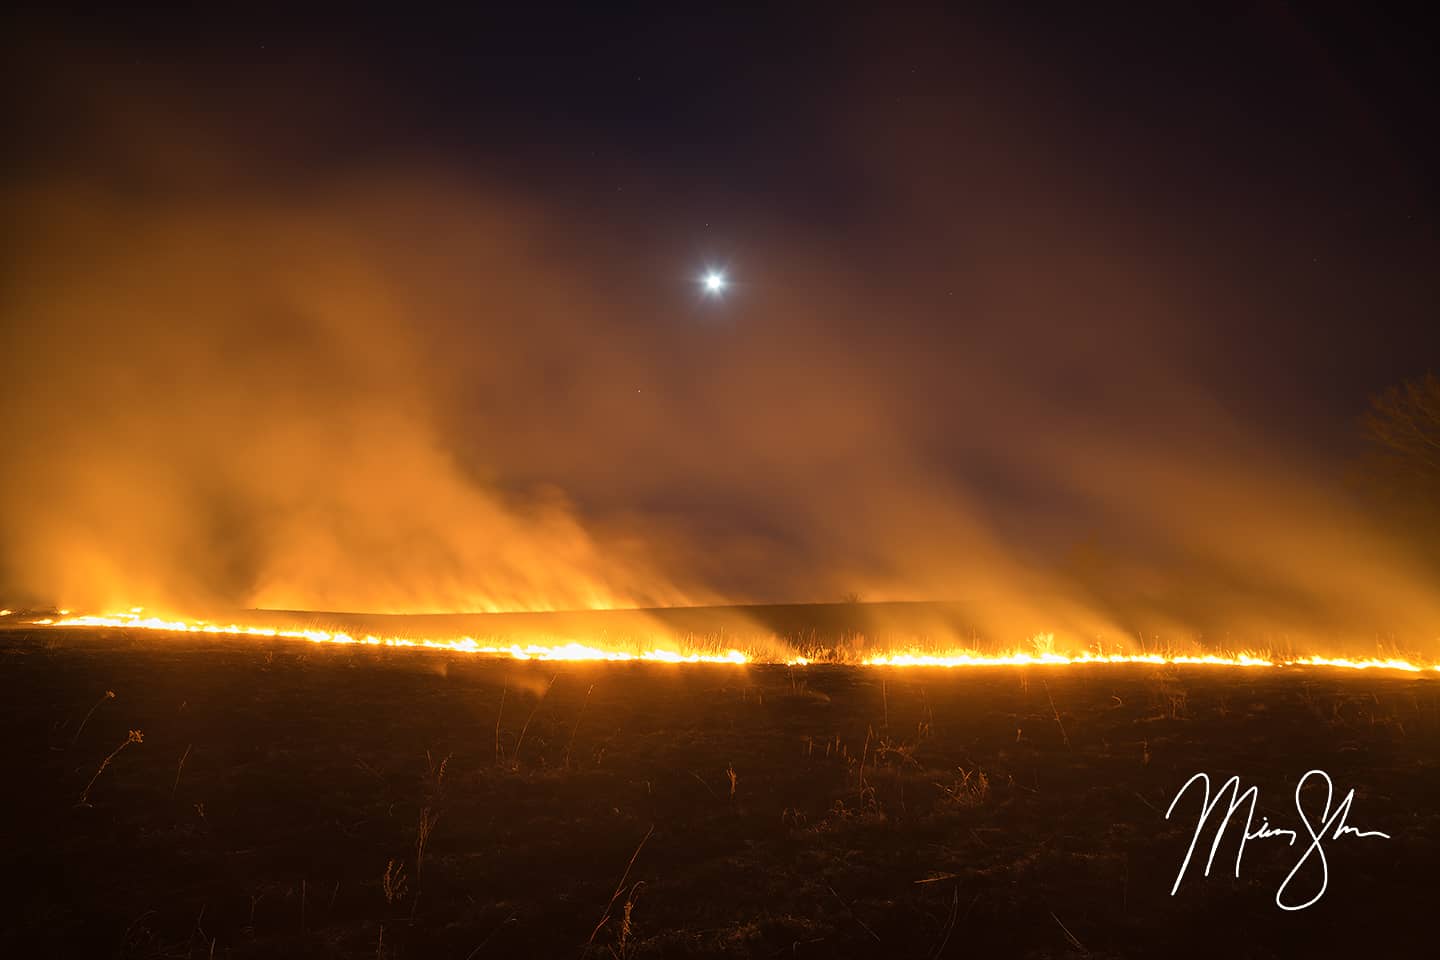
point(1404, 424)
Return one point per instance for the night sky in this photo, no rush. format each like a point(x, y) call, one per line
point(403, 312)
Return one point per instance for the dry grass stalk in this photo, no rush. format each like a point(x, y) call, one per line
point(109, 695)
point(515, 757)
point(1063, 735)
point(180, 769)
point(135, 736)
point(620, 887)
point(571, 742)
point(393, 882)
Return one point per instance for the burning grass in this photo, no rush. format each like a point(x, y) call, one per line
point(738, 648)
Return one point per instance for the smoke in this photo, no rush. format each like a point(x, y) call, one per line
point(224, 401)
point(400, 385)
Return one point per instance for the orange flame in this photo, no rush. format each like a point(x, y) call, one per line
point(135, 620)
point(1043, 654)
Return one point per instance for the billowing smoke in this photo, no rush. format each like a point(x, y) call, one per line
point(401, 385)
point(229, 401)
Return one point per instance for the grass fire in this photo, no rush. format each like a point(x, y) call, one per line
point(720, 482)
point(672, 647)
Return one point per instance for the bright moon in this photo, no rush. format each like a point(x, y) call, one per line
point(714, 283)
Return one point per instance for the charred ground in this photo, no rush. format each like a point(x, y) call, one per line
point(290, 800)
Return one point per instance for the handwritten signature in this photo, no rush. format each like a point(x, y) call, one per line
point(1331, 825)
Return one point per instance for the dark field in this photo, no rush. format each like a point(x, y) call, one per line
point(814, 812)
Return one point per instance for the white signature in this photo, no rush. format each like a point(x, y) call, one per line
point(1331, 826)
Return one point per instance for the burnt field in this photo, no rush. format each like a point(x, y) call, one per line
point(287, 799)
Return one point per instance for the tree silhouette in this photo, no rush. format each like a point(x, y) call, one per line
point(1404, 425)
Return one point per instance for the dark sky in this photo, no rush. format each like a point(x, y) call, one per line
point(1285, 155)
point(1005, 283)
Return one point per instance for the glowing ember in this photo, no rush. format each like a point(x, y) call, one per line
point(1041, 655)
